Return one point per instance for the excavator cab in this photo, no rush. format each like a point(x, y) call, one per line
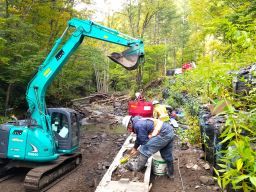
point(65, 126)
point(130, 58)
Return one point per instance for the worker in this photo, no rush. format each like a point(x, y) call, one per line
point(152, 135)
point(160, 112)
point(139, 96)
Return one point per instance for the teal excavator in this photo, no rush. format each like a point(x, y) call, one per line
point(47, 141)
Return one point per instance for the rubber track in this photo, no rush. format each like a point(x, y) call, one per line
point(43, 177)
point(5, 173)
point(6, 177)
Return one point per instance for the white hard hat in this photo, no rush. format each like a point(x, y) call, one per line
point(126, 120)
point(137, 94)
point(155, 102)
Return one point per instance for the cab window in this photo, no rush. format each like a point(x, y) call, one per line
point(60, 124)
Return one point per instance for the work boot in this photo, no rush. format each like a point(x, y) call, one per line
point(139, 165)
point(170, 169)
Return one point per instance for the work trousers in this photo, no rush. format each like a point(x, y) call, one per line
point(163, 142)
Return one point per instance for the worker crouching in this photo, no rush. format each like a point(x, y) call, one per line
point(153, 135)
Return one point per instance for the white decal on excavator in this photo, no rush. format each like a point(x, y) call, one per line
point(35, 150)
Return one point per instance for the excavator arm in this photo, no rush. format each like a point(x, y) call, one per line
point(57, 57)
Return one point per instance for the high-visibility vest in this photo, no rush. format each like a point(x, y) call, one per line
point(157, 126)
point(161, 113)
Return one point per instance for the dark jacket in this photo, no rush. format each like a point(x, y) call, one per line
point(143, 127)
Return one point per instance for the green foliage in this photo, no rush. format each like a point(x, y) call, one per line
point(4, 119)
point(212, 83)
point(225, 39)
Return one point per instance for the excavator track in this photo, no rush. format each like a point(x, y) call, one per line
point(43, 177)
point(5, 172)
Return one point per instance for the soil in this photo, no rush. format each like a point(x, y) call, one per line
point(99, 147)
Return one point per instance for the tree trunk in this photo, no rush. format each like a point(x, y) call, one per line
point(174, 58)
point(131, 17)
point(165, 56)
point(6, 8)
point(139, 76)
point(7, 99)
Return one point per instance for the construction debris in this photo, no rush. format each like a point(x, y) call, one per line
point(101, 104)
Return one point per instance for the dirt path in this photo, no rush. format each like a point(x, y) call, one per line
point(99, 149)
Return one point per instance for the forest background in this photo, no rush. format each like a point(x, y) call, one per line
point(218, 35)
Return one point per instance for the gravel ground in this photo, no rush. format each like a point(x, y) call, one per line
point(99, 147)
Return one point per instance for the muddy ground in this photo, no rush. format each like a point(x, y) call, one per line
point(99, 147)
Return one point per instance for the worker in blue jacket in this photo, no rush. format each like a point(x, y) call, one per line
point(153, 135)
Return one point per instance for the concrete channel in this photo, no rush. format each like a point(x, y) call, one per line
point(107, 184)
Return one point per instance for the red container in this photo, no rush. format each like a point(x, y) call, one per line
point(186, 66)
point(140, 108)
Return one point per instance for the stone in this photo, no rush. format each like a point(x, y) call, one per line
point(203, 179)
point(206, 180)
point(184, 146)
point(197, 186)
point(189, 165)
point(94, 137)
point(202, 155)
point(215, 188)
point(104, 135)
point(120, 140)
point(206, 166)
point(196, 167)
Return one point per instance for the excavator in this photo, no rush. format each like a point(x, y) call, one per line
point(47, 141)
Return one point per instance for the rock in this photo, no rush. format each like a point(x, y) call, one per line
point(90, 181)
point(197, 186)
point(117, 104)
point(104, 135)
point(184, 146)
point(99, 166)
point(201, 155)
point(87, 142)
point(215, 188)
point(189, 165)
point(120, 140)
point(203, 179)
point(106, 164)
point(206, 180)
point(94, 137)
point(196, 167)
point(206, 166)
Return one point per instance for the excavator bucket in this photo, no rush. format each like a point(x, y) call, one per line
point(129, 59)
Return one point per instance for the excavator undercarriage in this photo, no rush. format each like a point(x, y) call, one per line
point(42, 176)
